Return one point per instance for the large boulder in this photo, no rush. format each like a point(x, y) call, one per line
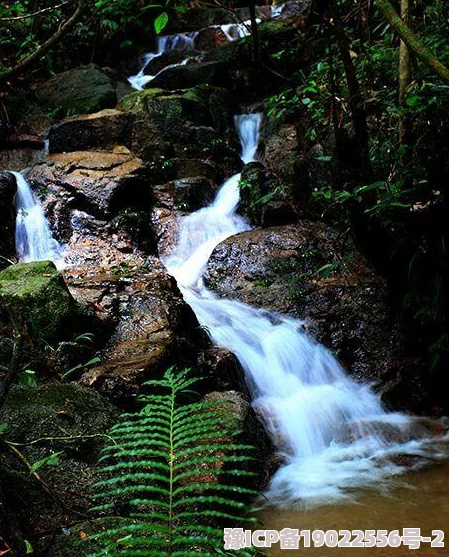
point(102, 130)
point(35, 297)
point(196, 123)
point(100, 182)
point(191, 74)
point(154, 327)
point(308, 271)
point(78, 91)
point(8, 188)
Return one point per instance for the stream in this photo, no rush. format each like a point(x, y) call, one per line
point(416, 500)
point(333, 434)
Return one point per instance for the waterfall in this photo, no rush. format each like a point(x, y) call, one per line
point(184, 42)
point(333, 433)
point(34, 240)
point(181, 41)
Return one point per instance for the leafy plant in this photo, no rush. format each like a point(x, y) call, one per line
point(82, 338)
point(164, 464)
point(27, 377)
point(91, 362)
point(50, 460)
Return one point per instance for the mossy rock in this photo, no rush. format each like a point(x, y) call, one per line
point(45, 411)
point(167, 110)
point(34, 295)
point(80, 90)
point(66, 419)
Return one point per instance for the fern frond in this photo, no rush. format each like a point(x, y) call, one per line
point(165, 463)
point(138, 464)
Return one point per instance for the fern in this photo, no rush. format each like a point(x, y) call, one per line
point(164, 465)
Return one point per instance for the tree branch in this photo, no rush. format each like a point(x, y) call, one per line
point(45, 47)
point(26, 16)
point(413, 42)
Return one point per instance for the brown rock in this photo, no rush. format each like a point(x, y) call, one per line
point(307, 271)
point(99, 182)
point(154, 327)
point(102, 130)
point(209, 38)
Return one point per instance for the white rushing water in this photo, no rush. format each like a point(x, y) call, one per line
point(34, 239)
point(332, 431)
point(184, 42)
point(164, 43)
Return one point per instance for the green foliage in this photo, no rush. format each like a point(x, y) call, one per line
point(50, 460)
point(79, 367)
point(164, 464)
point(160, 22)
point(27, 378)
point(104, 26)
point(374, 199)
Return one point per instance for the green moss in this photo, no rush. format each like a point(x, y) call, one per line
point(138, 99)
point(35, 294)
point(55, 410)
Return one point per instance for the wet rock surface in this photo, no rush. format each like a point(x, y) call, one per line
point(78, 91)
point(8, 190)
point(102, 130)
point(99, 182)
point(308, 271)
point(151, 325)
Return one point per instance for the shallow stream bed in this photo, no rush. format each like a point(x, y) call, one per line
point(415, 500)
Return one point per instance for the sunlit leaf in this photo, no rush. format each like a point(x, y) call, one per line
point(160, 22)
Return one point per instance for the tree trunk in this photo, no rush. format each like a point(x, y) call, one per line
point(254, 32)
point(414, 43)
point(355, 101)
point(404, 75)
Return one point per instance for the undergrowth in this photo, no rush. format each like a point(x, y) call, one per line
point(177, 471)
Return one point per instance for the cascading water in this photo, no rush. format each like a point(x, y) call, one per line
point(333, 432)
point(184, 42)
point(34, 240)
point(181, 41)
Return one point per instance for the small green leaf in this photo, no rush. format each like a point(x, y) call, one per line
point(160, 22)
point(3, 428)
point(91, 362)
point(50, 460)
point(28, 378)
point(28, 547)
